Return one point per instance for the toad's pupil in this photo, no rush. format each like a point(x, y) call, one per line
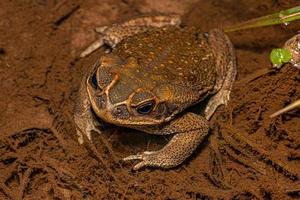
point(145, 108)
point(94, 80)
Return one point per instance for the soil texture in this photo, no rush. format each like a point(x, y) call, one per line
point(247, 155)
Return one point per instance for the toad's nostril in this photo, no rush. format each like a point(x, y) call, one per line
point(120, 112)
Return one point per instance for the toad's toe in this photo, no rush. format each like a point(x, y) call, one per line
point(148, 158)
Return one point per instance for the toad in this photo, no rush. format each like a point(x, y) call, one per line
point(154, 72)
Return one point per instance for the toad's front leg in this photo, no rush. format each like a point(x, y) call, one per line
point(189, 129)
point(226, 70)
point(85, 120)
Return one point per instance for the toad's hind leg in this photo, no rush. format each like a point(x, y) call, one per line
point(112, 35)
point(225, 68)
point(189, 129)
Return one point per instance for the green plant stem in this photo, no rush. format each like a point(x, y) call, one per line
point(282, 17)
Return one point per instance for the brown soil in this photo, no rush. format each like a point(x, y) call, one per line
point(40, 73)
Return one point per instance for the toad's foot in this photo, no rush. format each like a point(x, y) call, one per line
point(84, 129)
point(150, 158)
point(112, 35)
point(222, 97)
point(189, 129)
point(86, 133)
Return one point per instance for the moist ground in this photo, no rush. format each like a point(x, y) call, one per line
point(40, 73)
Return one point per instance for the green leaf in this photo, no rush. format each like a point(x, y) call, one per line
point(280, 56)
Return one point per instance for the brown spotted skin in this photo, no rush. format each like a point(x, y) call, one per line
point(148, 81)
point(179, 59)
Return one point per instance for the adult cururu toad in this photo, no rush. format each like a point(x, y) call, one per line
point(155, 71)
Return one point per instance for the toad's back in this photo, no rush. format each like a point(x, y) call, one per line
point(178, 57)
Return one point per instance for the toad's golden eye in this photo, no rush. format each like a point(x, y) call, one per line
point(145, 108)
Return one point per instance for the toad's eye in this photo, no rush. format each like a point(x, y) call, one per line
point(94, 80)
point(145, 108)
